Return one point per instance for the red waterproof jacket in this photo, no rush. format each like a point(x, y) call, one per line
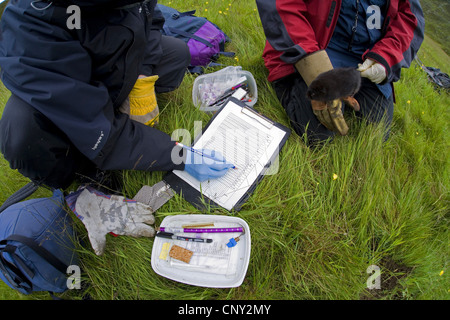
point(296, 28)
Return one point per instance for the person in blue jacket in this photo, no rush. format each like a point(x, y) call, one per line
point(68, 85)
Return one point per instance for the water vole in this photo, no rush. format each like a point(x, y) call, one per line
point(335, 84)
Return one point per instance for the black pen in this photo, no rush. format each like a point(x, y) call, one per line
point(169, 235)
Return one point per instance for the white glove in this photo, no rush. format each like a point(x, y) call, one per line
point(102, 214)
point(372, 70)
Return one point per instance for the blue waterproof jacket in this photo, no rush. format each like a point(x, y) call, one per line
point(352, 36)
point(79, 77)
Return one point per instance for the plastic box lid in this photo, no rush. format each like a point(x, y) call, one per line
point(213, 264)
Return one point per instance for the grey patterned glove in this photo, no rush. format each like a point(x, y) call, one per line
point(154, 196)
point(102, 214)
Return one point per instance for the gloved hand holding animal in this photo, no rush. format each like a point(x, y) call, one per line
point(328, 88)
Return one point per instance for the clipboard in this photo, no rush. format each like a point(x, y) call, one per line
point(237, 131)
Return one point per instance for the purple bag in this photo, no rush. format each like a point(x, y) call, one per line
point(206, 41)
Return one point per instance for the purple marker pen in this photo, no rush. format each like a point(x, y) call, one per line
point(201, 230)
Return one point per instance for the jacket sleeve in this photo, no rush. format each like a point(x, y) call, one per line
point(287, 28)
point(153, 50)
point(402, 39)
point(44, 66)
point(157, 19)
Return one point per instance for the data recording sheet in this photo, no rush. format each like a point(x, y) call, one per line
point(248, 140)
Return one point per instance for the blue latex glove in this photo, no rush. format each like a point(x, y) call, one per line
point(204, 168)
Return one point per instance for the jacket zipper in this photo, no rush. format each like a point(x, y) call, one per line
point(354, 27)
point(145, 6)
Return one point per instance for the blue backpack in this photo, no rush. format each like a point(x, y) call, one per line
point(37, 245)
point(206, 41)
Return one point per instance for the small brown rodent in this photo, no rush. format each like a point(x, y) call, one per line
point(335, 84)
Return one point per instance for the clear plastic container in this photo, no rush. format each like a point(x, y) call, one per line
point(208, 87)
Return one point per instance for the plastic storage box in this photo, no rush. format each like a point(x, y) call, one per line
point(208, 87)
point(222, 263)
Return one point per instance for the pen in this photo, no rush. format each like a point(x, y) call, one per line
point(198, 152)
point(169, 235)
point(201, 230)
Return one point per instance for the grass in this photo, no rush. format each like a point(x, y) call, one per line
point(325, 217)
point(436, 13)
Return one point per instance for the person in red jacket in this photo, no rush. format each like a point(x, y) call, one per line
point(308, 38)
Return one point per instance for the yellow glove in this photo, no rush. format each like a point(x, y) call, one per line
point(141, 103)
point(329, 113)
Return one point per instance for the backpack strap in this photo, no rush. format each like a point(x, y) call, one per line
point(40, 250)
point(201, 69)
point(18, 274)
point(170, 30)
point(11, 250)
point(227, 54)
point(183, 14)
point(14, 275)
point(19, 195)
